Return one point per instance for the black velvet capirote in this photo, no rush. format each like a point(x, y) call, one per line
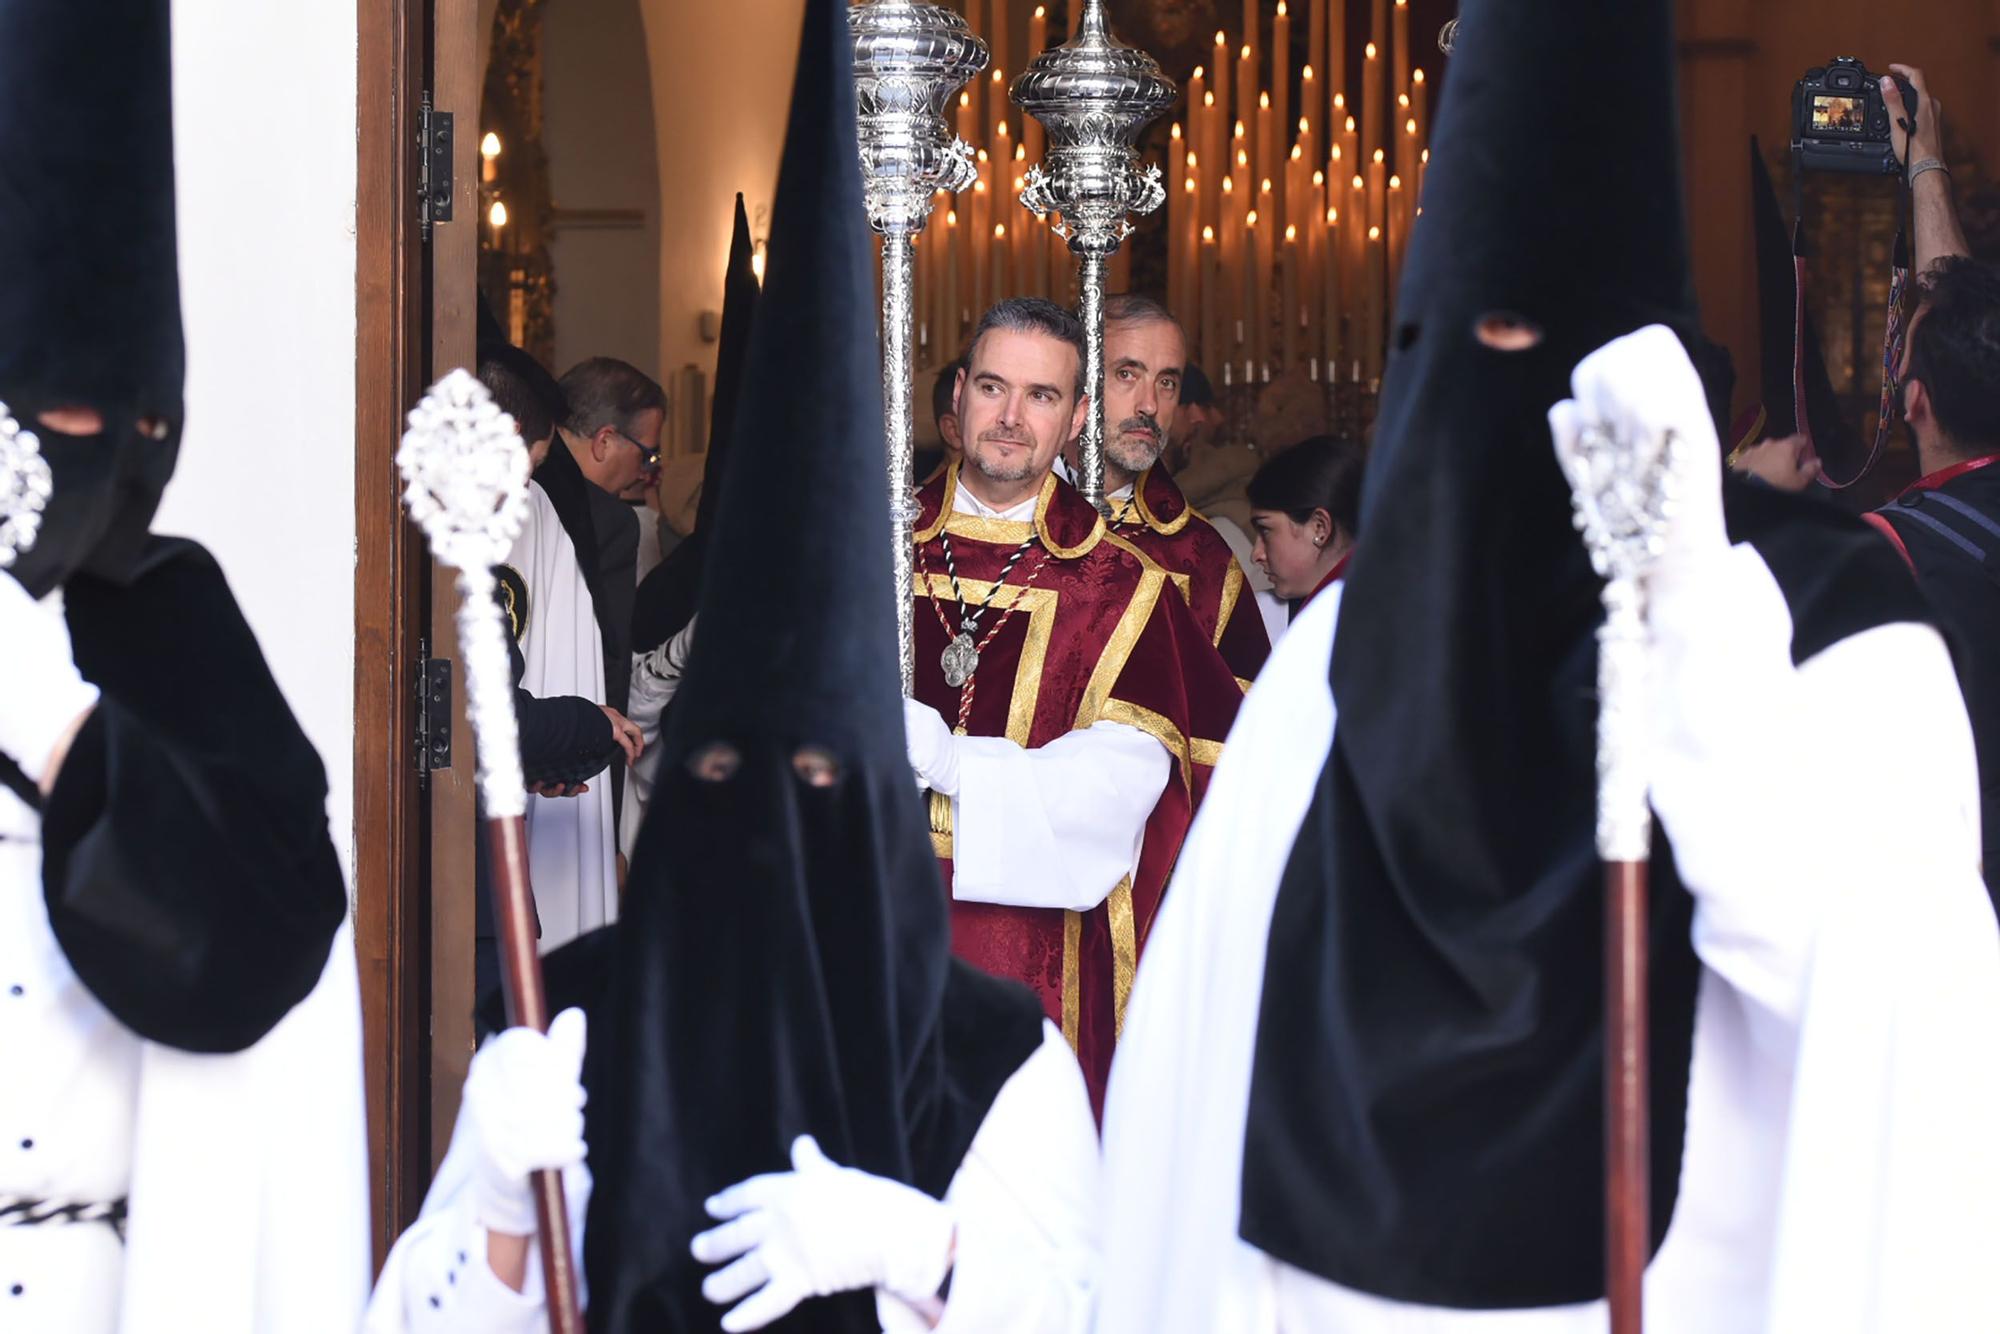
point(1426, 1109)
point(781, 964)
point(185, 859)
point(1839, 444)
point(90, 299)
point(667, 594)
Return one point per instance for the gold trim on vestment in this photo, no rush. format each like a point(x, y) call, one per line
point(1124, 637)
point(1207, 754)
point(1157, 726)
point(1154, 521)
point(1072, 984)
point(1232, 589)
point(940, 808)
point(1124, 952)
point(1185, 583)
point(1040, 605)
point(1243, 685)
point(1006, 532)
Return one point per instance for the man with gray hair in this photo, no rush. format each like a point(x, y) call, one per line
point(1067, 708)
point(1145, 357)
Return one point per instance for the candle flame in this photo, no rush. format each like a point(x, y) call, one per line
point(1319, 178)
point(498, 215)
point(1298, 153)
point(1402, 4)
point(1336, 153)
point(1242, 157)
point(982, 155)
point(1360, 184)
point(1246, 50)
point(1426, 156)
point(979, 187)
point(1020, 152)
point(1041, 12)
point(1416, 76)
point(1198, 71)
point(1369, 51)
point(951, 217)
point(757, 263)
point(1000, 130)
point(1220, 40)
point(1340, 101)
point(1282, 11)
point(1291, 232)
point(489, 147)
point(1264, 101)
point(1350, 125)
point(1208, 234)
point(1250, 218)
point(997, 76)
point(1306, 73)
point(1403, 101)
point(1192, 164)
point(965, 99)
point(1395, 182)
point(1378, 155)
point(1267, 185)
point(999, 231)
point(1229, 185)
point(1410, 125)
point(1305, 125)
point(1332, 216)
point(1374, 233)
point(1177, 130)
point(1208, 99)
point(1188, 185)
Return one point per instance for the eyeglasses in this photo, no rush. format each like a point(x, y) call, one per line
point(648, 456)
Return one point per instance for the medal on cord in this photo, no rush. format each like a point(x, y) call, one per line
point(963, 646)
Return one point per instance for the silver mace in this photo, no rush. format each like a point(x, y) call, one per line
point(465, 474)
point(1625, 492)
point(1093, 95)
point(910, 59)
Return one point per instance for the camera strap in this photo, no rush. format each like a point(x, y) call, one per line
point(1892, 328)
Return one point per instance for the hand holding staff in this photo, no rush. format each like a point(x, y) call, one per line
point(1628, 467)
point(466, 474)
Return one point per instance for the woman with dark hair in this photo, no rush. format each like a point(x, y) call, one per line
point(1304, 505)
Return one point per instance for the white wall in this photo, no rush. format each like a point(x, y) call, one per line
point(722, 88)
point(264, 133)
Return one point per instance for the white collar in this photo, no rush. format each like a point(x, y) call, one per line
point(1122, 493)
point(964, 502)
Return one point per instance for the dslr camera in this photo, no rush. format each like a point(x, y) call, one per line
point(1840, 123)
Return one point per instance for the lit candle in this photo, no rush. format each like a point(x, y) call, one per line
point(1229, 251)
point(1288, 297)
point(1329, 293)
point(953, 309)
point(1246, 91)
point(1003, 158)
point(1269, 150)
point(1308, 107)
point(1025, 262)
point(1211, 314)
point(1349, 157)
point(1399, 44)
point(1371, 98)
point(1268, 236)
point(978, 239)
point(1000, 290)
point(1372, 349)
point(1354, 258)
point(1247, 340)
point(1218, 66)
point(1396, 225)
point(1423, 165)
point(1176, 209)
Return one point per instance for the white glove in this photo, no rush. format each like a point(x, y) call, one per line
point(821, 1229)
point(933, 748)
point(668, 663)
point(524, 1097)
point(1642, 387)
point(41, 693)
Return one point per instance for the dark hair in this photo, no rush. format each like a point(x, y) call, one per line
point(1321, 472)
point(1196, 391)
point(941, 388)
point(1133, 308)
point(1955, 349)
point(1031, 314)
point(524, 390)
point(604, 391)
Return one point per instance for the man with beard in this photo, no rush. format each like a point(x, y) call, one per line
point(1066, 712)
point(1145, 355)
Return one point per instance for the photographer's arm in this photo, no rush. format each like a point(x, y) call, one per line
point(1935, 216)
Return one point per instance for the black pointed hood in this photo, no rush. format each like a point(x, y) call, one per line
point(1425, 1117)
point(667, 595)
point(90, 311)
point(1838, 443)
point(782, 963)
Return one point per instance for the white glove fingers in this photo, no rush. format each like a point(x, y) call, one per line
point(568, 1036)
point(771, 1302)
point(732, 1239)
point(806, 1154)
point(736, 1281)
point(745, 1195)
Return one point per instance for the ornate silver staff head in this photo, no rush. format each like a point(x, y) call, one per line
point(1093, 95)
point(465, 475)
point(910, 60)
point(25, 487)
point(1625, 492)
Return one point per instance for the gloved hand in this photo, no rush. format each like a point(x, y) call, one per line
point(668, 663)
point(42, 695)
point(820, 1229)
point(933, 748)
point(1643, 389)
point(524, 1098)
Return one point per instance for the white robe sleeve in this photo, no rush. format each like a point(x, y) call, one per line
point(437, 1280)
point(1057, 826)
point(1026, 1205)
point(1825, 818)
